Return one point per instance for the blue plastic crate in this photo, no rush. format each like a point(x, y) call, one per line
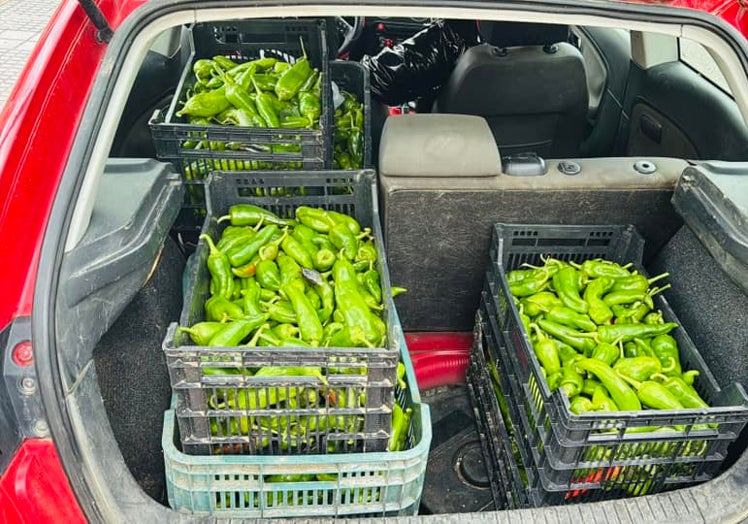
point(359, 484)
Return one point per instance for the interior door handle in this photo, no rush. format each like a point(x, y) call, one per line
point(651, 128)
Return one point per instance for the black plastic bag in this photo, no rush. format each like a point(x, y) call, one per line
point(418, 66)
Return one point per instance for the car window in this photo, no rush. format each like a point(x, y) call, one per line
point(698, 58)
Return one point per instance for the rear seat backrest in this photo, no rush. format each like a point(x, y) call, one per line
point(528, 83)
point(441, 190)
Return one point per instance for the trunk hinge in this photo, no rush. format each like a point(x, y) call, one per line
point(103, 31)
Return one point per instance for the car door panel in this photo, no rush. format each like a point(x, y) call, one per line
point(671, 110)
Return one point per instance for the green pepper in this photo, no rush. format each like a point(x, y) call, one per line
point(689, 376)
point(290, 270)
point(653, 394)
point(541, 302)
point(589, 386)
point(599, 268)
point(685, 394)
point(546, 351)
point(245, 253)
point(230, 242)
point(265, 82)
point(224, 63)
point(571, 382)
point(324, 259)
point(638, 368)
point(220, 309)
point(615, 298)
point(247, 270)
point(580, 405)
point(607, 353)
point(355, 144)
point(266, 107)
point(567, 335)
point(398, 418)
point(624, 397)
point(554, 380)
point(268, 274)
point(308, 85)
point(240, 99)
point(327, 298)
point(205, 104)
point(626, 332)
point(665, 348)
point(282, 312)
point(251, 303)
point(294, 122)
point(531, 284)
point(293, 78)
point(654, 317)
point(295, 250)
point(638, 283)
point(347, 336)
point(219, 269)
point(566, 283)
point(397, 290)
point(307, 320)
point(372, 285)
point(202, 332)
point(316, 219)
point(203, 69)
point(569, 317)
point(342, 238)
point(602, 402)
point(310, 107)
point(251, 215)
point(348, 221)
point(352, 306)
point(366, 252)
point(342, 160)
point(236, 331)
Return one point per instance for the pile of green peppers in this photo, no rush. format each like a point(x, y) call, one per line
point(306, 282)
point(348, 143)
point(599, 339)
point(262, 93)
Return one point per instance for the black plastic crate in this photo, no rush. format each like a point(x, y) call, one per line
point(354, 78)
point(253, 148)
point(488, 386)
point(571, 450)
point(372, 370)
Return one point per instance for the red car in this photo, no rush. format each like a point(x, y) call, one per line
point(578, 113)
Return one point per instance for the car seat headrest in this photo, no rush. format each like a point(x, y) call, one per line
point(512, 34)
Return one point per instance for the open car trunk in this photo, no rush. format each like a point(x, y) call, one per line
point(112, 314)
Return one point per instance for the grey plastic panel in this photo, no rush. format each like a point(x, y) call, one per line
point(438, 145)
point(136, 205)
point(713, 200)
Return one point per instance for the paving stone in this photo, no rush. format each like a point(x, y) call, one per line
point(21, 25)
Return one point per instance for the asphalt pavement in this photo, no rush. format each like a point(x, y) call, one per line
point(21, 25)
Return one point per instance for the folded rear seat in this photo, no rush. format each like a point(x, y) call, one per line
point(442, 187)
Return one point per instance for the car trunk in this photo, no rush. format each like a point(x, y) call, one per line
point(437, 235)
point(453, 227)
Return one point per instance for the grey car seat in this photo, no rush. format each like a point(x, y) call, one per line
point(528, 83)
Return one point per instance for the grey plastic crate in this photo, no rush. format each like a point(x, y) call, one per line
point(254, 148)
point(206, 427)
point(364, 484)
point(354, 78)
point(567, 448)
point(490, 395)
